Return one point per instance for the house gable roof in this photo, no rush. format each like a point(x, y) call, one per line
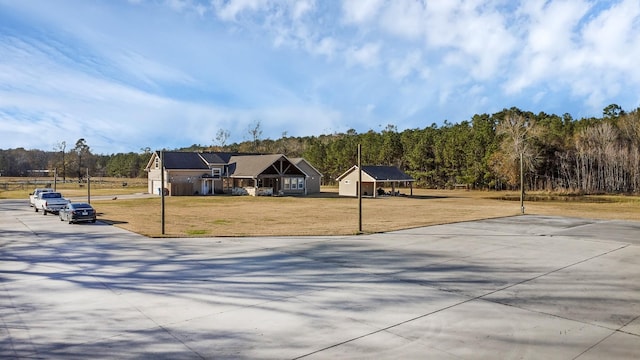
point(305, 165)
point(346, 173)
point(253, 165)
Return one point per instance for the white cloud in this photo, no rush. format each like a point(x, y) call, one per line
point(550, 25)
point(548, 31)
point(360, 11)
point(405, 18)
point(412, 63)
point(150, 71)
point(477, 31)
point(612, 38)
point(327, 46)
point(589, 51)
point(230, 9)
point(178, 4)
point(301, 8)
point(366, 55)
point(69, 104)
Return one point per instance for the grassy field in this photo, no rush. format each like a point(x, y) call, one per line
point(325, 213)
point(19, 188)
point(329, 214)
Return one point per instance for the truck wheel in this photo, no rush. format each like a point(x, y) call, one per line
point(44, 212)
point(35, 208)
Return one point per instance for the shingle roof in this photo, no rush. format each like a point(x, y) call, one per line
point(304, 165)
point(183, 160)
point(386, 173)
point(251, 165)
point(217, 157)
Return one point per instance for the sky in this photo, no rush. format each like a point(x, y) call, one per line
point(165, 74)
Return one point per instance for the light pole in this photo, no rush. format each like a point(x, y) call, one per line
point(88, 187)
point(162, 189)
point(521, 184)
point(359, 189)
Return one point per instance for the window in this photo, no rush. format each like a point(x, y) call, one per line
point(295, 183)
point(157, 162)
point(216, 173)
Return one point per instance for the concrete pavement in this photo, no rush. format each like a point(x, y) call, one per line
point(510, 288)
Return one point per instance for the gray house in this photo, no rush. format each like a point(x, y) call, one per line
point(314, 177)
point(209, 173)
point(374, 178)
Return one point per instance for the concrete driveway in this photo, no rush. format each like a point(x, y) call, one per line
point(510, 288)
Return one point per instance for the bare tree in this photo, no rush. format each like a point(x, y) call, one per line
point(630, 130)
point(222, 136)
point(82, 151)
point(517, 132)
point(62, 146)
point(255, 133)
point(599, 158)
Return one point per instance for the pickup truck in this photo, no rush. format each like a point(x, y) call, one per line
point(50, 202)
point(34, 195)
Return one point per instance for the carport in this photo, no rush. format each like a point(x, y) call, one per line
point(374, 178)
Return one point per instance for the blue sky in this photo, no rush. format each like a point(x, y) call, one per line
point(126, 75)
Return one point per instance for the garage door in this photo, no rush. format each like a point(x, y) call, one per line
point(155, 187)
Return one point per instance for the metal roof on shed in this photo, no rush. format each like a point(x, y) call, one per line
point(386, 173)
point(380, 173)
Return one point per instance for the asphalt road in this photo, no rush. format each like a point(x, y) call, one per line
point(511, 288)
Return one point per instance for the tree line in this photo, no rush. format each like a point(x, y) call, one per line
point(559, 153)
point(72, 163)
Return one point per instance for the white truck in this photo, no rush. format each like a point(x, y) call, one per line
point(34, 195)
point(50, 202)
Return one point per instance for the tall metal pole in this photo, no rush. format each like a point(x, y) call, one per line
point(88, 187)
point(162, 189)
point(359, 189)
point(521, 185)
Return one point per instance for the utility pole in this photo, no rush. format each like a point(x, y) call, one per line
point(162, 188)
point(359, 189)
point(521, 184)
point(88, 187)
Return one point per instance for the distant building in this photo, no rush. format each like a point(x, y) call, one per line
point(373, 178)
point(209, 173)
